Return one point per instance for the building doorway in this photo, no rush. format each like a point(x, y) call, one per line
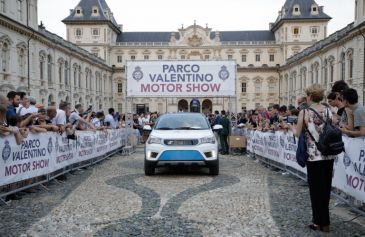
point(142, 108)
point(183, 106)
point(207, 106)
point(195, 106)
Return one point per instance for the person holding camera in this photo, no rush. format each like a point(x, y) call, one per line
point(80, 119)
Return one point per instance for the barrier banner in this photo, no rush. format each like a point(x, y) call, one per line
point(349, 173)
point(65, 152)
point(349, 168)
point(44, 153)
point(30, 159)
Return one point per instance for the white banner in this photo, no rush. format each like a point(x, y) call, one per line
point(44, 153)
point(349, 168)
point(181, 78)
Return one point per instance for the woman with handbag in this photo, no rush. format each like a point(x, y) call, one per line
point(319, 167)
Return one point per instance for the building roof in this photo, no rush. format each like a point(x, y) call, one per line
point(332, 39)
point(224, 36)
point(305, 7)
point(105, 14)
point(64, 43)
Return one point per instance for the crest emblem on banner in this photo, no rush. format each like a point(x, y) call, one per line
point(346, 160)
point(50, 145)
point(137, 74)
point(223, 73)
point(6, 151)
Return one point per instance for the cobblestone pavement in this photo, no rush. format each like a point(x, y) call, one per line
point(116, 199)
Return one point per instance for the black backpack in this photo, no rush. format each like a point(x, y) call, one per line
point(330, 141)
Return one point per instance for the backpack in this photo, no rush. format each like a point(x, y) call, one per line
point(330, 140)
point(302, 153)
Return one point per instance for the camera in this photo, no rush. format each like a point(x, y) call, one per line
point(89, 110)
point(292, 119)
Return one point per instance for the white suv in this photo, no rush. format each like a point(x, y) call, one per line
point(181, 139)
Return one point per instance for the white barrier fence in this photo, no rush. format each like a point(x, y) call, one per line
point(280, 147)
point(45, 153)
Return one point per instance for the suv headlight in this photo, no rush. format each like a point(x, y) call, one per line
point(154, 140)
point(207, 140)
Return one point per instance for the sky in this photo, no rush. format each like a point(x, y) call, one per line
point(170, 15)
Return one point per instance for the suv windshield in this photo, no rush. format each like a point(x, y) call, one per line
point(182, 122)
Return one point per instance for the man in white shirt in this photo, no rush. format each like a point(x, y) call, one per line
point(109, 119)
point(23, 110)
point(32, 109)
point(98, 120)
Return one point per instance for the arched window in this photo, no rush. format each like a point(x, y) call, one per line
point(316, 72)
point(41, 66)
point(50, 100)
point(4, 57)
point(87, 78)
point(22, 60)
point(75, 75)
point(343, 66)
point(49, 68)
point(79, 76)
point(325, 68)
point(60, 70)
point(350, 63)
point(66, 73)
point(304, 78)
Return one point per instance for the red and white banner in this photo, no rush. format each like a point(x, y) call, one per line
point(181, 78)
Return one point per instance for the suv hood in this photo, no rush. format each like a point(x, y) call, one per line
point(182, 134)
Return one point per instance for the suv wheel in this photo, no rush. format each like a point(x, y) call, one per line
point(149, 168)
point(214, 169)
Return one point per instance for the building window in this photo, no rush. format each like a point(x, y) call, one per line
point(332, 71)
point(183, 57)
point(119, 58)
point(4, 57)
point(95, 32)
point(78, 32)
point(230, 57)
point(41, 68)
point(95, 11)
point(258, 57)
point(271, 87)
point(296, 31)
point(244, 87)
point(351, 66)
point(60, 69)
point(206, 57)
point(66, 74)
point(244, 57)
point(146, 57)
point(257, 87)
point(314, 30)
point(159, 57)
point(78, 11)
point(314, 9)
point(343, 64)
point(2, 6)
point(133, 57)
point(75, 76)
point(120, 108)
point(21, 61)
point(257, 105)
point(20, 10)
point(79, 77)
point(49, 69)
point(120, 87)
point(272, 57)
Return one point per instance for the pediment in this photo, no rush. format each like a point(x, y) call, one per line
point(195, 36)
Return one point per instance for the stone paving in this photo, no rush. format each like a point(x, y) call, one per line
point(115, 198)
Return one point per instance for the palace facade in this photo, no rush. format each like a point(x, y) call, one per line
point(273, 66)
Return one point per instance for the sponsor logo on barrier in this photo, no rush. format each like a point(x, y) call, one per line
point(346, 160)
point(6, 151)
point(57, 144)
point(50, 146)
point(223, 73)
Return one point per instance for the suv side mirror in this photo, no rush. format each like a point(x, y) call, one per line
point(217, 128)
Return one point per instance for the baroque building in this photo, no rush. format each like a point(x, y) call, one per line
point(272, 66)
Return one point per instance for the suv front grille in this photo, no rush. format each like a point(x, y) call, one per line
point(191, 142)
